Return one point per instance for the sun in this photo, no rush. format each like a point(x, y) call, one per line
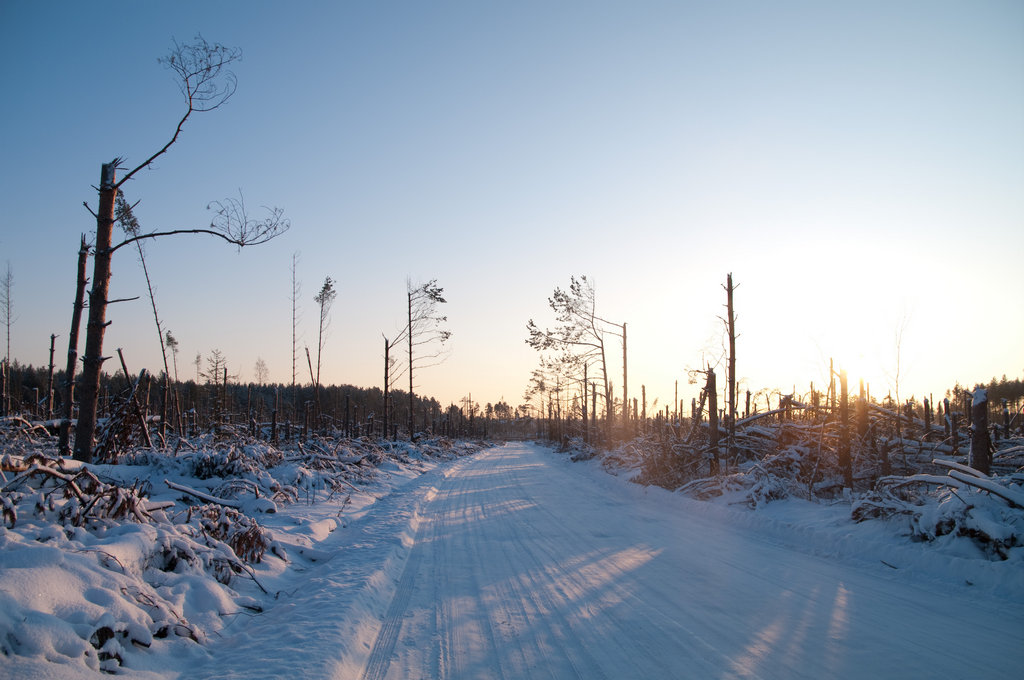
point(862, 347)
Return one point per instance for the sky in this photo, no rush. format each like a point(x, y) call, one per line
point(857, 166)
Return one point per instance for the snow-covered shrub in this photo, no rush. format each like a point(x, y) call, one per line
point(222, 463)
point(752, 485)
point(134, 573)
point(942, 508)
point(246, 538)
point(664, 463)
point(443, 448)
point(73, 499)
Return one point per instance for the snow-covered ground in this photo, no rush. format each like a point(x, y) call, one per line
point(517, 563)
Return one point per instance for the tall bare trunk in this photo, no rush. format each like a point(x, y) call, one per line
point(979, 457)
point(92, 362)
point(625, 387)
point(64, 445)
point(586, 426)
point(712, 392)
point(412, 415)
point(732, 366)
point(845, 462)
point(49, 380)
point(387, 385)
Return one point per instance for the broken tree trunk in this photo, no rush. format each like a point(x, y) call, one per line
point(625, 385)
point(979, 458)
point(731, 324)
point(845, 462)
point(712, 392)
point(64, 445)
point(696, 415)
point(49, 380)
point(3, 388)
point(134, 398)
point(92, 362)
point(387, 384)
point(927, 420)
point(583, 403)
point(862, 413)
point(116, 432)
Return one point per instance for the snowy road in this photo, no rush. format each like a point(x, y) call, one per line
point(514, 565)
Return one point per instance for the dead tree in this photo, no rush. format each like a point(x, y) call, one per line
point(126, 217)
point(711, 389)
point(392, 374)
point(172, 344)
point(324, 299)
point(927, 420)
point(845, 461)
point(296, 294)
point(625, 385)
point(64, 445)
point(980, 456)
point(730, 326)
point(583, 405)
point(387, 385)
point(580, 337)
point(425, 335)
point(205, 81)
point(49, 380)
point(7, 315)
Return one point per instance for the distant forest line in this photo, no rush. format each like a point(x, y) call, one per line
point(358, 411)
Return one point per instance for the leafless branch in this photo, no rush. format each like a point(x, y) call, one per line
point(231, 223)
point(204, 79)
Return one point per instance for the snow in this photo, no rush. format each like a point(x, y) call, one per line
point(514, 562)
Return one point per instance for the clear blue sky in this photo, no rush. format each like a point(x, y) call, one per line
point(857, 166)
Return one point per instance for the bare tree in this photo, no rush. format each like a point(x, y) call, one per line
point(730, 327)
point(261, 371)
point(296, 294)
point(425, 334)
point(126, 217)
point(393, 372)
point(894, 379)
point(64, 445)
point(203, 74)
point(580, 337)
point(7, 306)
point(324, 299)
point(552, 381)
point(172, 344)
point(7, 316)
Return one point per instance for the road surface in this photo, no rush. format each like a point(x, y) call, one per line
point(515, 565)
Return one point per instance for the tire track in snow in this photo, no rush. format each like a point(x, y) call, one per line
point(384, 646)
point(540, 579)
point(555, 583)
point(529, 571)
point(458, 619)
point(443, 632)
point(597, 631)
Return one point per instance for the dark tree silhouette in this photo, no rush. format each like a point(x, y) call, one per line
point(424, 334)
point(324, 299)
point(580, 338)
point(206, 82)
